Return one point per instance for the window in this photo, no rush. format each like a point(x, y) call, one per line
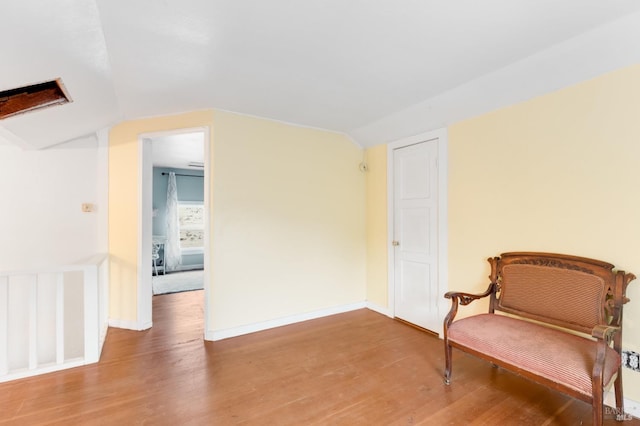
point(191, 221)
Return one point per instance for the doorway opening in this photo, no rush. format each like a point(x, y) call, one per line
point(174, 217)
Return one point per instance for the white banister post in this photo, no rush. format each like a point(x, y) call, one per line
point(4, 325)
point(59, 318)
point(103, 271)
point(33, 323)
point(91, 314)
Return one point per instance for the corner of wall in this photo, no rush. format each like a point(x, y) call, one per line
point(376, 222)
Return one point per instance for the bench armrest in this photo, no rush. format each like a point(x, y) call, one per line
point(460, 298)
point(604, 332)
point(465, 298)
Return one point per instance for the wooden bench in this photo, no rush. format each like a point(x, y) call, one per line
point(562, 328)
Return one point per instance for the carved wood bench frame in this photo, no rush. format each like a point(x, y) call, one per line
point(541, 288)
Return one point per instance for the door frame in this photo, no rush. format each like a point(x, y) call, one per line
point(145, 229)
point(443, 237)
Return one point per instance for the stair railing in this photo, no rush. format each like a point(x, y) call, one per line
point(54, 318)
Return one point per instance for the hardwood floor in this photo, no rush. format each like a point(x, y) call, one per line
point(357, 368)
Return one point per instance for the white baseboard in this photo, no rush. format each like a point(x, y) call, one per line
point(129, 325)
point(630, 406)
point(379, 309)
point(24, 373)
point(278, 322)
point(101, 340)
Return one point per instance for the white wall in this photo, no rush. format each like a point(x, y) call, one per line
point(41, 221)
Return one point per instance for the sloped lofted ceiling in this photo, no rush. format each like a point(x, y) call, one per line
point(375, 70)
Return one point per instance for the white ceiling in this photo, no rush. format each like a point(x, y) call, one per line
point(178, 150)
point(375, 70)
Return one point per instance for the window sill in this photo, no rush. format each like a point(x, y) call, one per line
point(193, 250)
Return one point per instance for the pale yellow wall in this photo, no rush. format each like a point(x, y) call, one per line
point(289, 227)
point(124, 200)
point(289, 206)
point(377, 264)
point(559, 173)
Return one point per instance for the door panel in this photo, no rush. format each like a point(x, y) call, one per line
point(416, 234)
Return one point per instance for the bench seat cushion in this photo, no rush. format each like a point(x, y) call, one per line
point(555, 355)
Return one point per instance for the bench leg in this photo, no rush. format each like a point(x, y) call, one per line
point(617, 385)
point(447, 370)
point(598, 408)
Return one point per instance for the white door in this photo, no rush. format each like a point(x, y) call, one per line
point(415, 234)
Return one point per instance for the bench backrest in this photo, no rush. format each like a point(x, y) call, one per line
point(567, 291)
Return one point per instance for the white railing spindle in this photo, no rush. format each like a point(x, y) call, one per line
point(33, 323)
point(4, 325)
point(59, 318)
point(91, 315)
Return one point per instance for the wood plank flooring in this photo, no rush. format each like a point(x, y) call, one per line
point(357, 368)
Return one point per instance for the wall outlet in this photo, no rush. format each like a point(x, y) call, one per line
point(87, 207)
point(631, 360)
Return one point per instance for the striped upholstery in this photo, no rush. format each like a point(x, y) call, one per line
point(566, 295)
point(557, 356)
